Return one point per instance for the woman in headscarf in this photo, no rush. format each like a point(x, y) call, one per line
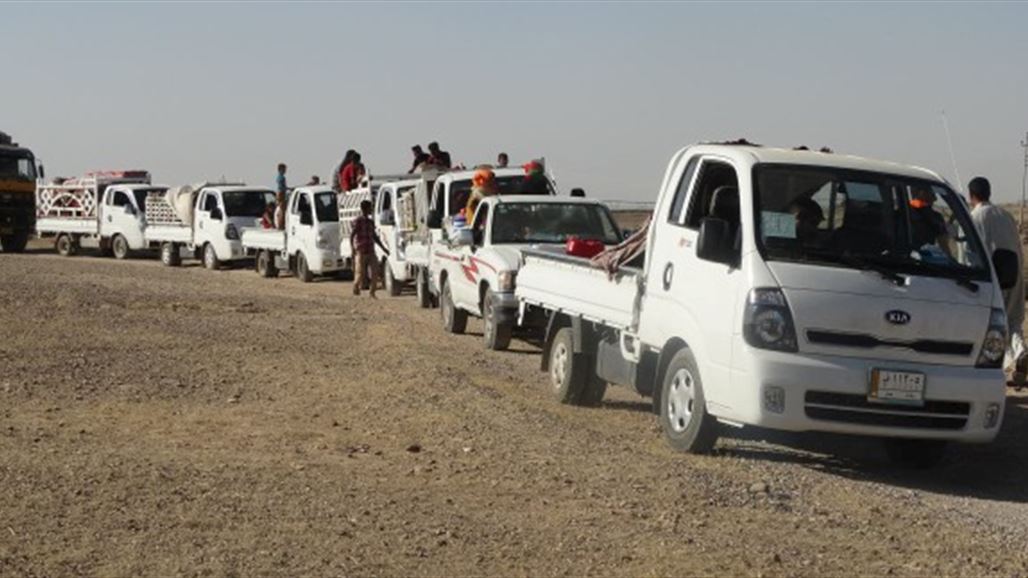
point(483, 184)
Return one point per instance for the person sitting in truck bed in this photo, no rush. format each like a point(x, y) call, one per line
point(268, 218)
point(483, 185)
point(535, 182)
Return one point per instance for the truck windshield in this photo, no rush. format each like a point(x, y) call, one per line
point(247, 203)
point(865, 220)
point(327, 207)
point(19, 166)
point(552, 223)
point(461, 190)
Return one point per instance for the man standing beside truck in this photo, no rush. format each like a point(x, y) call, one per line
point(999, 230)
point(363, 239)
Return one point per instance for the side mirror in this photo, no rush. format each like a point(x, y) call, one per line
point(462, 238)
point(716, 241)
point(386, 218)
point(306, 218)
point(42, 171)
point(216, 214)
point(1007, 267)
point(434, 220)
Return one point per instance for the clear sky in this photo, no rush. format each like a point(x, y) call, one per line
point(606, 92)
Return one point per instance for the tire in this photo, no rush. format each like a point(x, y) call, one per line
point(915, 454)
point(66, 246)
point(497, 335)
point(170, 255)
point(119, 247)
point(303, 272)
point(683, 410)
point(14, 243)
point(567, 370)
point(210, 258)
point(392, 286)
point(424, 295)
point(454, 320)
point(265, 265)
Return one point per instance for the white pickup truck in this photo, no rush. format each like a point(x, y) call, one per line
point(102, 210)
point(206, 221)
point(396, 210)
point(476, 268)
point(792, 290)
point(308, 246)
point(442, 198)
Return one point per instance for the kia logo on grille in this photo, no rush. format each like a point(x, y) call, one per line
point(897, 317)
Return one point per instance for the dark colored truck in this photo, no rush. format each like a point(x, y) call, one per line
point(17, 195)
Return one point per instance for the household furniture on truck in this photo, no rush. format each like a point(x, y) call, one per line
point(476, 268)
point(104, 210)
point(791, 290)
point(309, 244)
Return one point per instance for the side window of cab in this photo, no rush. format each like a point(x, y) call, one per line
point(478, 226)
point(677, 210)
point(210, 202)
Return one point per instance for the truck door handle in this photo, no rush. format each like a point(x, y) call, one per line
point(109, 218)
point(669, 275)
point(292, 231)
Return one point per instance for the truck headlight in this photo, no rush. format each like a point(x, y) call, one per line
point(231, 232)
point(321, 241)
point(507, 280)
point(995, 343)
point(767, 323)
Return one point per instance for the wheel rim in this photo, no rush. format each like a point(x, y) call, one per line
point(446, 306)
point(119, 247)
point(559, 365)
point(208, 257)
point(487, 314)
point(165, 254)
point(680, 399)
point(63, 245)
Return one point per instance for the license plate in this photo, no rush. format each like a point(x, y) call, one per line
point(899, 387)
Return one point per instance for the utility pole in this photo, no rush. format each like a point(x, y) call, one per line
point(1024, 177)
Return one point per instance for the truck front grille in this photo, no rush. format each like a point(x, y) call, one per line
point(850, 408)
point(862, 340)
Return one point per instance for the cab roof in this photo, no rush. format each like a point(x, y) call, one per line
point(466, 175)
point(237, 189)
point(536, 199)
point(771, 155)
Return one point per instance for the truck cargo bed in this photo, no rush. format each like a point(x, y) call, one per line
point(169, 233)
point(84, 226)
point(573, 285)
point(270, 239)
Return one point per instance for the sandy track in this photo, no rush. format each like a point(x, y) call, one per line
point(164, 421)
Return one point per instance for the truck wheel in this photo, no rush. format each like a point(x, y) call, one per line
point(454, 320)
point(119, 247)
point(424, 296)
point(170, 255)
point(392, 285)
point(264, 264)
point(497, 334)
point(567, 370)
point(683, 409)
point(14, 243)
point(917, 454)
point(303, 272)
point(210, 258)
point(65, 246)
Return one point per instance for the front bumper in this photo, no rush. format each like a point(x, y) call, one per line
point(505, 306)
point(829, 393)
point(326, 262)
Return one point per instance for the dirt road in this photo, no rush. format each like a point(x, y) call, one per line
point(158, 421)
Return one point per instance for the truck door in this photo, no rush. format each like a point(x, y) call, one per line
point(466, 284)
point(302, 234)
point(121, 217)
point(687, 296)
point(205, 226)
point(385, 216)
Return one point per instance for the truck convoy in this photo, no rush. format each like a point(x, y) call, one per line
point(791, 290)
point(308, 246)
point(102, 210)
point(476, 269)
point(18, 174)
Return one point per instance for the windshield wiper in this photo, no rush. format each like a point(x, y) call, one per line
point(859, 262)
point(940, 270)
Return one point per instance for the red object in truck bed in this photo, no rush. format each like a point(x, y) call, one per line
point(586, 248)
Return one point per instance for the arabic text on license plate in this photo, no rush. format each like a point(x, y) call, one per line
point(901, 387)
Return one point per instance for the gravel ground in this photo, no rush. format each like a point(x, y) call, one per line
point(158, 421)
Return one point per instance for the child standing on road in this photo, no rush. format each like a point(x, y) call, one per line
point(363, 239)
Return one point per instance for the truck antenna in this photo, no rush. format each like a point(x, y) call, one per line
point(949, 141)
